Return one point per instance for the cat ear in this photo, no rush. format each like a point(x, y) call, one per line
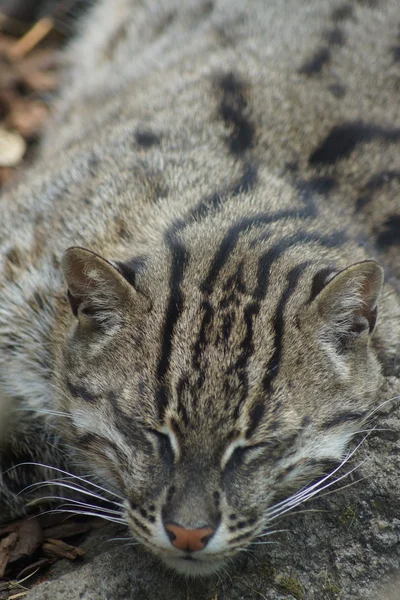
point(97, 291)
point(348, 302)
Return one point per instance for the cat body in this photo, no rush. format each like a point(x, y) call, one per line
point(225, 186)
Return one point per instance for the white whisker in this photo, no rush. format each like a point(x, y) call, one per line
point(306, 497)
point(81, 512)
point(85, 481)
point(72, 502)
point(272, 532)
point(43, 411)
point(375, 410)
point(78, 489)
point(308, 492)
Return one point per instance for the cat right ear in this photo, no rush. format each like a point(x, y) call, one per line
point(348, 302)
point(97, 292)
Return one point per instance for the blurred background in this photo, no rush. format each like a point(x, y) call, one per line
point(32, 33)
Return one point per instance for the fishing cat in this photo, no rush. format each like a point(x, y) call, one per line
point(192, 270)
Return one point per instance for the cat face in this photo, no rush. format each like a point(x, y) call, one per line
point(206, 408)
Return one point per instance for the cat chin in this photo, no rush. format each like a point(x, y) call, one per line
point(194, 567)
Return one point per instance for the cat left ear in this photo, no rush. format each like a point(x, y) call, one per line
point(97, 291)
point(348, 303)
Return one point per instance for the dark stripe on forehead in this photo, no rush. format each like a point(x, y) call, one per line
point(278, 324)
point(231, 238)
point(270, 256)
point(180, 257)
point(208, 314)
point(260, 292)
point(246, 182)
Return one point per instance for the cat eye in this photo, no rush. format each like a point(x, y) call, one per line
point(164, 446)
point(244, 453)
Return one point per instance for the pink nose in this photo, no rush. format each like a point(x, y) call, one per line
point(190, 540)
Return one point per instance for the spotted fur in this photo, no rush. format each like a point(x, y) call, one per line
point(190, 280)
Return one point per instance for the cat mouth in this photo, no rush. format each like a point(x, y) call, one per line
point(192, 567)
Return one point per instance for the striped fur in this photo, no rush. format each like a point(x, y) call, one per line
point(224, 207)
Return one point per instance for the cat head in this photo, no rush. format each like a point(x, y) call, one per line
point(206, 401)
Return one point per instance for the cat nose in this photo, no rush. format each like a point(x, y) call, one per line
point(190, 540)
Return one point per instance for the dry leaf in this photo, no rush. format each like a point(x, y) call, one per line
point(60, 549)
point(27, 117)
point(7, 545)
point(30, 537)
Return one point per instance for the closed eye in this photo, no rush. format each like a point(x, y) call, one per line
point(238, 454)
point(165, 446)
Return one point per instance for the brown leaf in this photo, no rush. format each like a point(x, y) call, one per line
point(39, 81)
point(69, 529)
point(42, 59)
point(27, 117)
point(6, 175)
point(60, 549)
point(30, 538)
point(7, 545)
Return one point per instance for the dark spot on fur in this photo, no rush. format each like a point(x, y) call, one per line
point(114, 41)
point(396, 53)
point(375, 183)
point(342, 13)
point(361, 202)
point(164, 23)
point(121, 229)
point(247, 181)
point(292, 167)
point(232, 109)
point(390, 236)
point(337, 90)
point(14, 256)
point(322, 185)
point(316, 63)
point(368, 3)
point(343, 139)
point(146, 138)
point(335, 37)
point(204, 10)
